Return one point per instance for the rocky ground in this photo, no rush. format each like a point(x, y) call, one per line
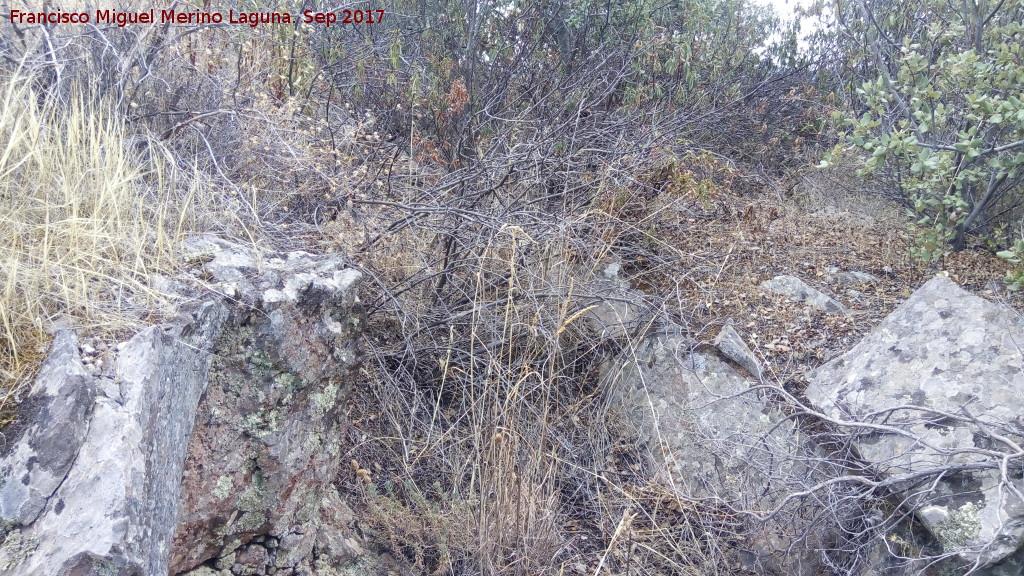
point(310, 441)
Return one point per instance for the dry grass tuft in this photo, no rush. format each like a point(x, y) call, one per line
point(88, 216)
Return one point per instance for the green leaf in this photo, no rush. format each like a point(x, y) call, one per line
point(1007, 255)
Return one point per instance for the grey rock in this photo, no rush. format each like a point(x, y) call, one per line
point(333, 542)
point(731, 344)
point(203, 571)
point(795, 289)
point(251, 559)
point(169, 287)
point(114, 508)
point(38, 463)
point(295, 547)
point(193, 438)
point(940, 379)
point(934, 514)
point(849, 278)
point(225, 562)
point(611, 271)
point(883, 555)
point(264, 278)
point(1012, 565)
point(611, 308)
point(267, 439)
point(618, 311)
point(692, 404)
point(711, 437)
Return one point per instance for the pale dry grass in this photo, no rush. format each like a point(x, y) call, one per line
point(88, 215)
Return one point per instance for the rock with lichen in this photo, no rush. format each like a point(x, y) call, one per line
point(211, 439)
point(936, 387)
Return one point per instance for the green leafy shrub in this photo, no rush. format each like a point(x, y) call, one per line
point(943, 118)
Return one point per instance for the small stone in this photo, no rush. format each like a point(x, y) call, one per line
point(934, 514)
point(796, 290)
point(730, 343)
point(226, 562)
point(612, 270)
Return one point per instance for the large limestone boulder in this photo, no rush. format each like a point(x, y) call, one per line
point(938, 385)
point(712, 438)
point(211, 442)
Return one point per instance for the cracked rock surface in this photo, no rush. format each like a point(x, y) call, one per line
point(204, 444)
point(940, 381)
point(697, 414)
